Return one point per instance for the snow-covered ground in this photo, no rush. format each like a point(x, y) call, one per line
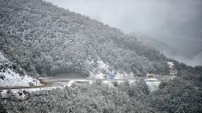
point(10, 78)
point(13, 79)
point(21, 94)
point(170, 64)
point(102, 71)
point(153, 84)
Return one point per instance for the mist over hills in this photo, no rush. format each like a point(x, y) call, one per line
point(189, 56)
point(47, 40)
point(176, 23)
point(40, 39)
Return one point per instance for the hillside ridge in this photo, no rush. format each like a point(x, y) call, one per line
point(48, 40)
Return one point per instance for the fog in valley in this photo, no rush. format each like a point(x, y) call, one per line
point(175, 23)
point(106, 56)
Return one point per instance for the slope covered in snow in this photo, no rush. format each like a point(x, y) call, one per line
point(11, 75)
point(48, 40)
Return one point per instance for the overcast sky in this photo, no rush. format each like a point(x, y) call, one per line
point(139, 15)
point(177, 22)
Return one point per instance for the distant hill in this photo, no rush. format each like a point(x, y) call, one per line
point(47, 40)
point(159, 45)
point(172, 52)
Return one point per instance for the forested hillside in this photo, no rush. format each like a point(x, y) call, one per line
point(48, 40)
point(173, 52)
point(163, 47)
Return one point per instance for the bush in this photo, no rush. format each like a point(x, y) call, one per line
point(115, 83)
point(2, 76)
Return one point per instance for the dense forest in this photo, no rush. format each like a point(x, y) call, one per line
point(46, 40)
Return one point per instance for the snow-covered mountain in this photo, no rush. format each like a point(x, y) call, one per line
point(47, 40)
